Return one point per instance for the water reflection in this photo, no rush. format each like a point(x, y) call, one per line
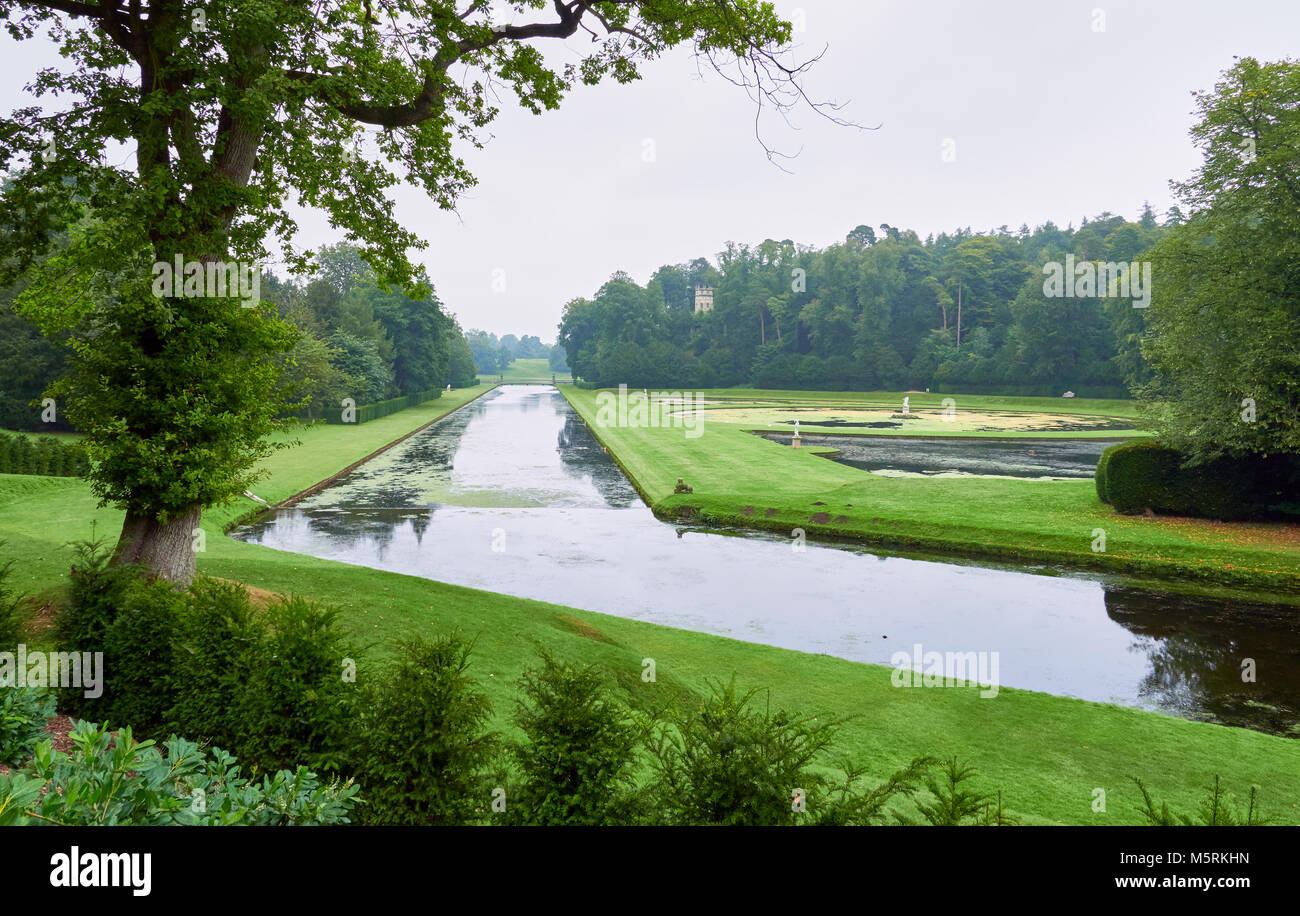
point(513, 494)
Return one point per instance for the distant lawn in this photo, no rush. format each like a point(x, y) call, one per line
point(60, 436)
point(739, 478)
point(527, 370)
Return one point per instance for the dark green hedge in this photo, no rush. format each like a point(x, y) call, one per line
point(44, 455)
point(366, 412)
point(1136, 476)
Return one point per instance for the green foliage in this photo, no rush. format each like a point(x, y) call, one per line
point(48, 456)
point(23, 714)
point(872, 313)
point(420, 741)
point(952, 803)
point(115, 780)
point(11, 616)
point(1149, 475)
point(1100, 477)
point(296, 705)
point(1217, 809)
point(577, 763)
point(727, 763)
point(1223, 319)
point(96, 593)
point(217, 645)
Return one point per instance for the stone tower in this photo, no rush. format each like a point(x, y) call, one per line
point(703, 298)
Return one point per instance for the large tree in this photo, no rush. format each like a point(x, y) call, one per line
point(185, 129)
point(1225, 308)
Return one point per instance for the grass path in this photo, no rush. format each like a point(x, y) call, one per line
point(741, 479)
point(1047, 754)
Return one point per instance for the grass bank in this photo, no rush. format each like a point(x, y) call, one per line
point(741, 479)
point(1047, 754)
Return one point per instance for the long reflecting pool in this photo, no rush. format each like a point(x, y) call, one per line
point(512, 494)
point(962, 456)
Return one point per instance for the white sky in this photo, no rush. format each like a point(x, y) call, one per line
point(1051, 120)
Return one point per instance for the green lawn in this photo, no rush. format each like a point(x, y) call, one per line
point(739, 478)
point(527, 370)
point(1047, 754)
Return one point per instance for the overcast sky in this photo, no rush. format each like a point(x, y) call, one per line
point(1050, 119)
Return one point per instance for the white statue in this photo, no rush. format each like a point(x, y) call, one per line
point(796, 429)
point(906, 408)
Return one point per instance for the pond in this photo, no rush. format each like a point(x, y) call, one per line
point(513, 494)
point(900, 456)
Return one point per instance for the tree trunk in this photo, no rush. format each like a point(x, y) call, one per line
point(164, 550)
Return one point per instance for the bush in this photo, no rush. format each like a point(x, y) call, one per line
point(1217, 809)
point(218, 640)
point(421, 746)
point(1147, 475)
point(133, 622)
point(577, 764)
point(11, 617)
point(23, 714)
point(296, 705)
point(139, 659)
point(1099, 478)
point(114, 780)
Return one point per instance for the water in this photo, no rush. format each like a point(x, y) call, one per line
point(963, 457)
point(512, 494)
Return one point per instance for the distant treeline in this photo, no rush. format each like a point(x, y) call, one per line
point(493, 355)
point(355, 341)
point(44, 455)
point(879, 310)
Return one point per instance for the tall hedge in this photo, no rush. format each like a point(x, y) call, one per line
point(1136, 476)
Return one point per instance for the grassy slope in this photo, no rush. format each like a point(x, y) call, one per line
point(1046, 753)
point(1050, 522)
point(528, 370)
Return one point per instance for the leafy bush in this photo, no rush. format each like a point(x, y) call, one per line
point(218, 640)
point(110, 780)
point(1217, 809)
point(1147, 475)
point(421, 746)
point(578, 761)
point(23, 714)
point(296, 705)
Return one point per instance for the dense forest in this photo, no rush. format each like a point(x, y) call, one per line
point(354, 340)
point(880, 310)
point(495, 355)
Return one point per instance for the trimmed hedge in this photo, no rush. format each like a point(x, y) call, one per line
point(1136, 476)
point(365, 412)
point(43, 456)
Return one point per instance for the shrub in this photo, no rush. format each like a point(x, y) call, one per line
point(11, 617)
point(217, 643)
point(582, 746)
point(139, 658)
point(727, 763)
point(1147, 475)
point(296, 705)
point(96, 592)
point(421, 746)
point(1217, 809)
point(953, 804)
point(23, 714)
point(1099, 478)
point(109, 780)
